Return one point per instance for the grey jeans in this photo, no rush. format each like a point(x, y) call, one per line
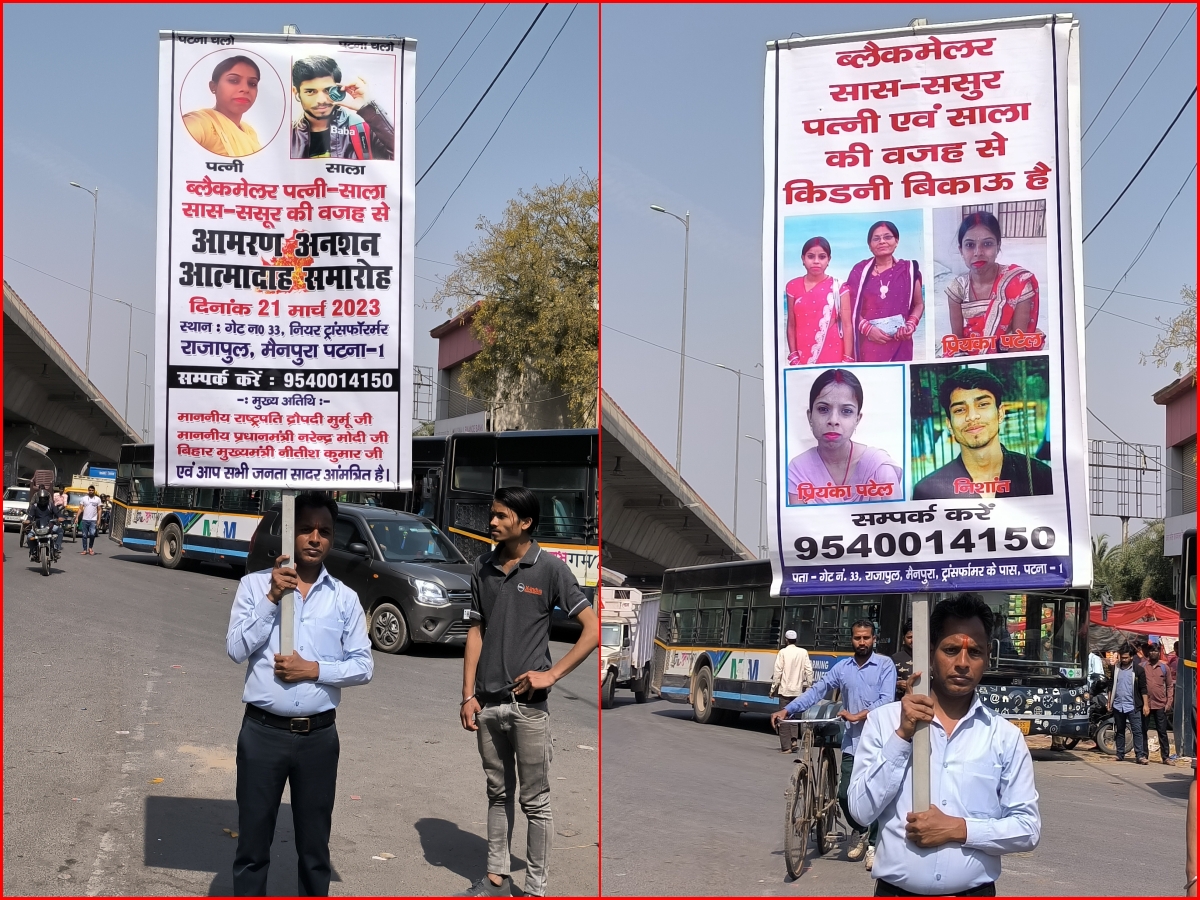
point(514, 744)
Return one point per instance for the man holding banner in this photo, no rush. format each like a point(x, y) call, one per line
point(288, 733)
point(983, 802)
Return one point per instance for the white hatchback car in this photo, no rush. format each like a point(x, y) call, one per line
point(16, 501)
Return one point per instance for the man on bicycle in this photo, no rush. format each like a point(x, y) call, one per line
point(867, 680)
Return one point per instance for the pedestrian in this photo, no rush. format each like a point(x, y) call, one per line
point(1160, 697)
point(982, 798)
point(288, 732)
point(1095, 667)
point(507, 676)
point(792, 677)
point(903, 660)
point(1127, 702)
point(867, 681)
point(88, 518)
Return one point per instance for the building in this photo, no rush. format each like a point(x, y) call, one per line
point(1179, 399)
point(533, 406)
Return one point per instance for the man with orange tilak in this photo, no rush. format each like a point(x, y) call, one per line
point(982, 799)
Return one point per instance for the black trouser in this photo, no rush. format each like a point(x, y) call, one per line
point(884, 889)
point(1159, 719)
point(1134, 720)
point(266, 758)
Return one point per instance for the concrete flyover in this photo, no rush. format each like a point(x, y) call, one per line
point(48, 400)
point(651, 519)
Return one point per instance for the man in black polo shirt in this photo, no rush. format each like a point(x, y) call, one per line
point(974, 404)
point(507, 675)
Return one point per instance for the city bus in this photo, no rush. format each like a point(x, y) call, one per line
point(719, 630)
point(454, 477)
point(1185, 680)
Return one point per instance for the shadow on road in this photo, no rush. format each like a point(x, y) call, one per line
point(186, 833)
point(1175, 787)
point(449, 847)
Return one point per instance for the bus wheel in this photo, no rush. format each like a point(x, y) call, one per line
point(703, 710)
point(170, 548)
point(608, 690)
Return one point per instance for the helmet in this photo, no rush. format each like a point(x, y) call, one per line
point(43, 499)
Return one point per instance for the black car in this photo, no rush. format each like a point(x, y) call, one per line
point(413, 583)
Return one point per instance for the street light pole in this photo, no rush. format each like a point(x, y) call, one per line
point(87, 364)
point(762, 496)
point(686, 221)
point(145, 388)
point(737, 444)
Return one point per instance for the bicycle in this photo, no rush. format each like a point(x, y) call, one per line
point(811, 804)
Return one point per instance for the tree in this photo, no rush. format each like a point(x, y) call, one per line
point(1179, 333)
point(1138, 569)
point(536, 273)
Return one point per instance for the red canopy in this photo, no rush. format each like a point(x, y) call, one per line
point(1131, 617)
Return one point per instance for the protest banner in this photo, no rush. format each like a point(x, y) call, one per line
point(922, 272)
point(284, 270)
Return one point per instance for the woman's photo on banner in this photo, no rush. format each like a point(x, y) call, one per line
point(854, 288)
point(990, 268)
point(232, 102)
point(844, 434)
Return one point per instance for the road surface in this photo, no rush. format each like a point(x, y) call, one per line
point(699, 809)
point(121, 715)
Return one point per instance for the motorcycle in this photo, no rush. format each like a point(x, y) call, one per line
point(42, 547)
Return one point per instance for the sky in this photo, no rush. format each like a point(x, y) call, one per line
point(682, 107)
point(88, 116)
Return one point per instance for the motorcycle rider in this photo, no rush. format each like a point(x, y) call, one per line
point(43, 513)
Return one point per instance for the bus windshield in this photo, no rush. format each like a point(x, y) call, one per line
point(1037, 634)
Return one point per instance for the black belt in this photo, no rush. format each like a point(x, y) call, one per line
point(507, 696)
point(298, 725)
point(887, 889)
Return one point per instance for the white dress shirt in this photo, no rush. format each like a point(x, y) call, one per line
point(329, 628)
point(793, 671)
point(982, 772)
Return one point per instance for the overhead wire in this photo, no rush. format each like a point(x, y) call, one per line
point(497, 129)
point(463, 66)
point(1127, 68)
point(676, 352)
point(1186, 104)
point(433, 77)
point(1139, 296)
point(1145, 245)
point(485, 93)
point(1096, 149)
point(76, 286)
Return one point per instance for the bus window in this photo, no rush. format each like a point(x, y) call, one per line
point(176, 497)
point(712, 617)
point(683, 622)
point(241, 500)
point(562, 495)
point(206, 499)
point(766, 619)
point(477, 479)
point(1037, 633)
point(735, 628)
point(801, 619)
